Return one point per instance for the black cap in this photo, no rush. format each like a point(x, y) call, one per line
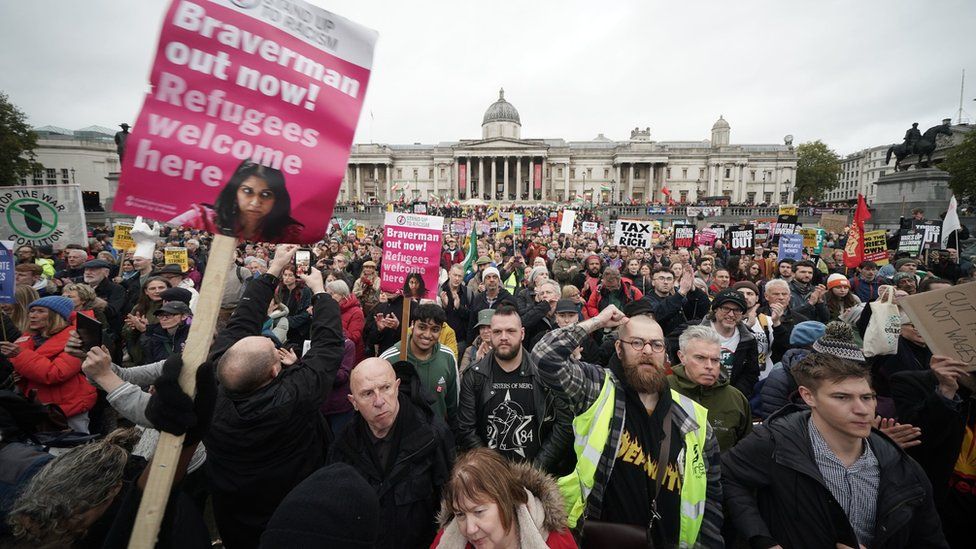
point(638, 307)
point(97, 264)
point(729, 295)
point(170, 268)
point(175, 308)
point(177, 294)
point(566, 306)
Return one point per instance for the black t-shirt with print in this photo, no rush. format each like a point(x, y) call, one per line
point(631, 487)
point(511, 426)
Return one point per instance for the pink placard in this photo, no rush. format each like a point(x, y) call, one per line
point(411, 244)
point(248, 124)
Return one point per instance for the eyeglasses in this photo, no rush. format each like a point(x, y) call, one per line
point(638, 344)
point(726, 310)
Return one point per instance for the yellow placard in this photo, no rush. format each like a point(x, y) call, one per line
point(809, 238)
point(121, 240)
point(788, 209)
point(360, 232)
point(177, 255)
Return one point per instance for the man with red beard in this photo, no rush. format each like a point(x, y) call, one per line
point(627, 421)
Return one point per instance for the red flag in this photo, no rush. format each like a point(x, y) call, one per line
point(666, 191)
point(854, 250)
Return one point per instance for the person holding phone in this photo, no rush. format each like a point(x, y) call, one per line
point(39, 358)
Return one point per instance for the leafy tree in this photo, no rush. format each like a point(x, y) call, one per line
point(817, 170)
point(960, 162)
point(17, 144)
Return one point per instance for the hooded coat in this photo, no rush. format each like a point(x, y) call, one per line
point(728, 409)
point(780, 386)
point(541, 520)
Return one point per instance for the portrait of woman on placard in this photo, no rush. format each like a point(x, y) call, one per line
point(253, 205)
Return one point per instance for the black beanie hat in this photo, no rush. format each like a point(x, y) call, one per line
point(334, 507)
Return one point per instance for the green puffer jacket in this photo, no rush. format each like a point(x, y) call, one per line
point(728, 408)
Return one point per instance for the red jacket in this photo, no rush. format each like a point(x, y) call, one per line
point(353, 323)
point(452, 258)
point(599, 299)
point(54, 374)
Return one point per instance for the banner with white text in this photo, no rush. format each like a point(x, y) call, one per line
point(411, 244)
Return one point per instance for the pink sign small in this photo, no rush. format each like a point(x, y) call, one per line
point(411, 244)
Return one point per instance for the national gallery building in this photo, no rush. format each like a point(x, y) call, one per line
point(503, 165)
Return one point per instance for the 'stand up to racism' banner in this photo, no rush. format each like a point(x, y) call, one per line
point(248, 127)
point(411, 244)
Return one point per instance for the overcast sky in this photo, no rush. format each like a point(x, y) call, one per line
point(852, 73)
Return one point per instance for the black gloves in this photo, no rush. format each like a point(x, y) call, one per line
point(173, 411)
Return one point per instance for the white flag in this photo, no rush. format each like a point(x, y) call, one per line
point(951, 222)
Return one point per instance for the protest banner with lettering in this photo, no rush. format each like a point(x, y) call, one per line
point(121, 240)
point(787, 209)
point(876, 247)
point(809, 238)
point(8, 281)
point(933, 233)
point(589, 227)
point(420, 208)
point(657, 210)
point(946, 319)
point(51, 215)
point(785, 224)
point(835, 223)
point(411, 244)
point(910, 241)
point(741, 239)
point(719, 231)
point(360, 232)
point(252, 108)
point(704, 211)
point(632, 233)
point(517, 221)
point(684, 236)
point(705, 237)
point(177, 255)
point(569, 219)
point(790, 247)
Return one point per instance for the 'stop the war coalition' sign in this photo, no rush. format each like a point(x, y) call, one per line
point(248, 127)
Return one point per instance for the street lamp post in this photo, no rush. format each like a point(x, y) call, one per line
point(764, 188)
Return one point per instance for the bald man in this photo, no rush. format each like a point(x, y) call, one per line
point(402, 448)
point(267, 433)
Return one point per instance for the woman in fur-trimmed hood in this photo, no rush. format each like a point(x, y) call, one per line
point(491, 502)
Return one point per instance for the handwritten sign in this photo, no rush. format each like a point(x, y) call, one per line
point(835, 223)
point(876, 247)
point(787, 209)
point(946, 319)
point(589, 227)
point(176, 255)
point(121, 240)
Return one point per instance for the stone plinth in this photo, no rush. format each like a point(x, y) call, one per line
point(898, 193)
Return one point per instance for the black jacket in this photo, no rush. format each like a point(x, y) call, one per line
point(157, 344)
point(479, 304)
point(458, 312)
point(775, 494)
point(420, 465)
point(115, 296)
point(780, 386)
point(555, 431)
point(262, 444)
point(674, 310)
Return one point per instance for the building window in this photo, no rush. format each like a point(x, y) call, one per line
point(751, 198)
point(589, 173)
point(636, 173)
point(415, 173)
point(606, 173)
point(684, 196)
point(768, 198)
point(752, 175)
point(399, 173)
point(684, 173)
point(560, 172)
point(669, 173)
point(701, 173)
point(727, 194)
point(430, 173)
point(23, 181)
point(64, 176)
point(728, 173)
point(784, 197)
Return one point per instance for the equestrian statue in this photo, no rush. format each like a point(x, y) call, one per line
point(922, 144)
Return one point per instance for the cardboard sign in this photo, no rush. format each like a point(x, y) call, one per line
point(177, 255)
point(253, 94)
point(589, 227)
point(911, 241)
point(741, 239)
point(411, 244)
point(787, 209)
point(946, 319)
point(835, 223)
point(785, 224)
point(50, 214)
point(684, 236)
point(121, 240)
point(360, 232)
point(813, 240)
point(790, 247)
point(876, 247)
point(933, 233)
point(8, 281)
point(633, 233)
point(569, 219)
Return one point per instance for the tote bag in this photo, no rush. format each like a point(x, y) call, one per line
point(881, 336)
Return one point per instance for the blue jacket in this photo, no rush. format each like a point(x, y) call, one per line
point(867, 291)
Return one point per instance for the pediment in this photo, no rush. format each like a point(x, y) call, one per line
point(501, 143)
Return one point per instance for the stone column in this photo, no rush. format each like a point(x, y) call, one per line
point(389, 184)
point(650, 181)
point(778, 186)
point(712, 169)
point(494, 178)
point(481, 174)
point(435, 178)
point(532, 176)
point(543, 188)
point(467, 176)
point(566, 183)
point(505, 180)
point(630, 179)
point(518, 178)
point(359, 183)
point(617, 183)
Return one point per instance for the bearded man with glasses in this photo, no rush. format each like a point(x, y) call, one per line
point(630, 430)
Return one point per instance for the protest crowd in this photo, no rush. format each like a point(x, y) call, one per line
point(558, 389)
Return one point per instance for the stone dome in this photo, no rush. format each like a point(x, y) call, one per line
point(501, 111)
point(720, 124)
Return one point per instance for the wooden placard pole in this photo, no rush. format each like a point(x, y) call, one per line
point(169, 447)
point(404, 327)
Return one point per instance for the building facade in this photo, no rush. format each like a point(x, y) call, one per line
point(85, 157)
point(504, 166)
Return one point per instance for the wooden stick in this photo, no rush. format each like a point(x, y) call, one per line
point(404, 326)
point(163, 463)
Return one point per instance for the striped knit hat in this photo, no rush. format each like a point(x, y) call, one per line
point(838, 340)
